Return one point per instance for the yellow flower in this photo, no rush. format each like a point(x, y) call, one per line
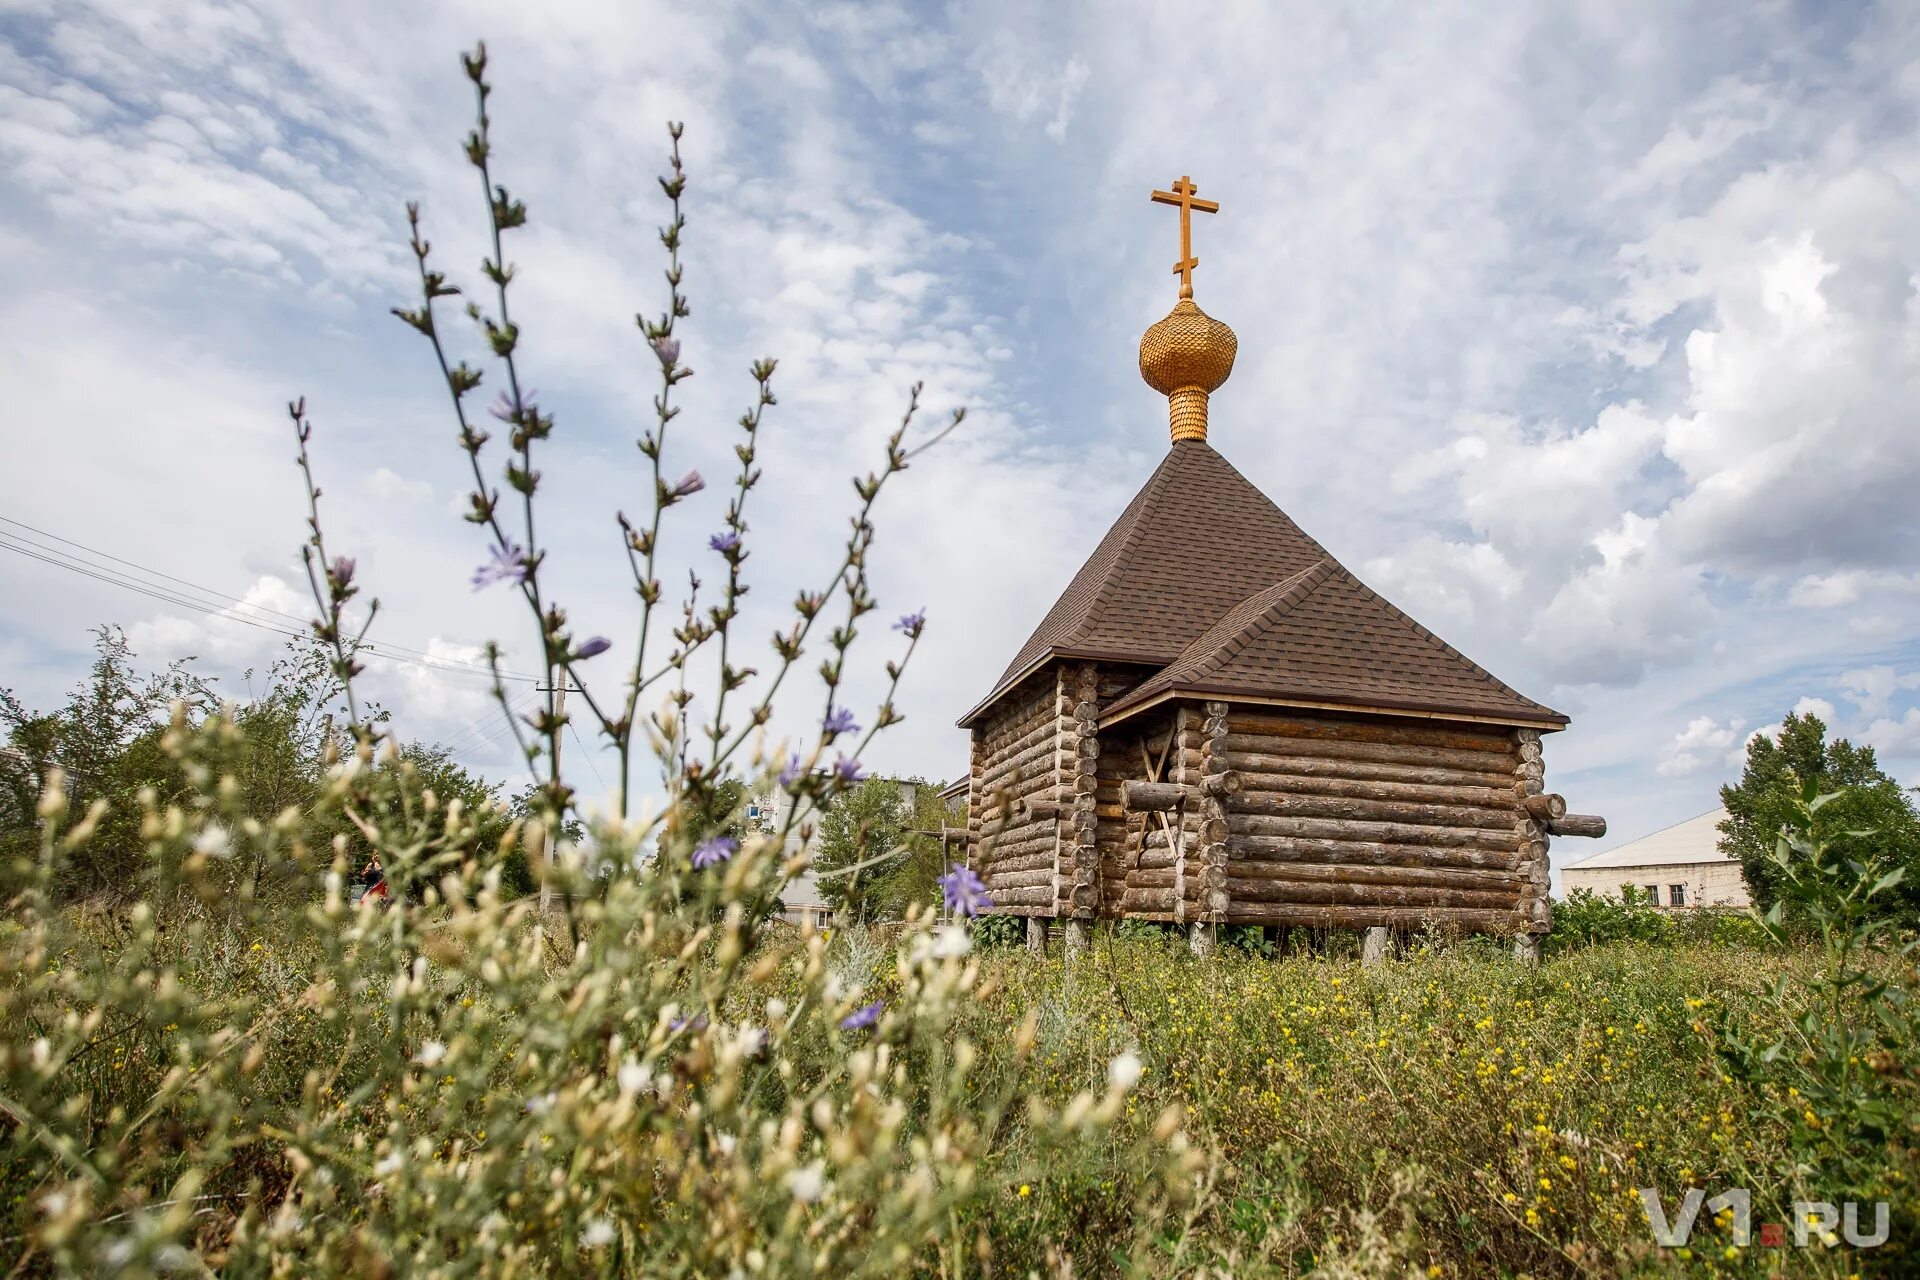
point(1025, 1190)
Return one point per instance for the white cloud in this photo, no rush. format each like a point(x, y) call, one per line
point(1704, 743)
point(1896, 736)
point(389, 484)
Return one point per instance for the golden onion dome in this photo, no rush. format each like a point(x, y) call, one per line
point(1184, 357)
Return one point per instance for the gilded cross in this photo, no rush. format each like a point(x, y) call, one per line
point(1183, 194)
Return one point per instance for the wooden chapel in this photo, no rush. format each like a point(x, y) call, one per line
point(1218, 723)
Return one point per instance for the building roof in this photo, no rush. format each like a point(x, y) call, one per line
point(1203, 577)
point(1689, 843)
point(1322, 635)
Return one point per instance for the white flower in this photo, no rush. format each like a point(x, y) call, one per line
point(776, 1009)
point(214, 841)
point(430, 1054)
point(1124, 1071)
point(541, 1103)
point(726, 1142)
point(388, 1164)
point(950, 942)
point(55, 1203)
point(599, 1232)
point(809, 1182)
point(633, 1077)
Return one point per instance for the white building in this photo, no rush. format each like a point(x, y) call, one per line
point(1680, 866)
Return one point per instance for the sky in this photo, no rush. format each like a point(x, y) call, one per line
point(1589, 335)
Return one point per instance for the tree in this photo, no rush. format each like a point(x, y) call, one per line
point(1874, 815)
point(106, 740)
point(857, 826)
point(915, 878)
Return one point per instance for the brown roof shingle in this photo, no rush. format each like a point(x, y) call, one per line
point(1204, 576)
point(1322, 635)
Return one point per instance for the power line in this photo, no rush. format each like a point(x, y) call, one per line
point(384, 647)
point(480, 731)
point(100, 573)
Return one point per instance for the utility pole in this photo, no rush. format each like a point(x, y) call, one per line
point(559, 692)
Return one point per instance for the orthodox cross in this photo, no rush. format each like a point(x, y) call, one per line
point(1183, 194)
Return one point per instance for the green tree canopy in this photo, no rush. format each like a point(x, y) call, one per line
point(1874, 815)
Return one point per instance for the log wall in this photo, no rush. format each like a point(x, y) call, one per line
point(1014, 800)
point(1353, 823)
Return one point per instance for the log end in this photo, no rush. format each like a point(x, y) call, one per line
point(1591, 825)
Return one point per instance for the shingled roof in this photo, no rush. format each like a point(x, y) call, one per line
point(1205, 578)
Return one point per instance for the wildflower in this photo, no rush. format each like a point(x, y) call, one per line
point(848, 771)
point(340, 572)
point(504, 564)
point(776, 1009)
point(809, 1182)
point(841, 721)
point(724, 542)
point(430, 1054)
point(714, 850)
point(683, 1023)
point(504, 408)
point(950, 942)
point(863, 1017)
point(790, 773)
point(966, 893)
point(633, 1078)
point(668, 349)
point(541, 1103)
point(214, 841)
point(1125, 1071)
point(689, 484)
point(912, 623)
point(593, 648)
point(599, 1232)
point(1025, 1190)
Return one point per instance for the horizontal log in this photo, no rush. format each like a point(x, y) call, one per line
point(1361, 895)
point(1153, 859)
point(1225, 783)
point(1365, 853)
point(1426, 815)
point(1501, 799)
point(1018, 845)
point(1255, 767)
point(1545, 808)
point(1146, 900)
point(1579, 824)
point(1005, 882)
point(1018, 730)
point(1244, 749)
point(1030, 896)
point(1492, 742)
point(1247, 824)
point(1158, 797)
point(1469, 919)
point(1043, 808)
point(1021, 862)
point(1474, 878)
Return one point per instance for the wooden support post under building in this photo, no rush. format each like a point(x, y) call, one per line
point(1526, 948)
point(1037, 935)
point(1078, 935)
point(1374, 950)
point(1201, 937)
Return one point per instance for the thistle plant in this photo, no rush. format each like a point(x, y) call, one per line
point(654, 1082)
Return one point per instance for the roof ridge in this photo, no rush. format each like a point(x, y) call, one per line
point(1156, 483)
point(1414, 625)
point(1288, 592)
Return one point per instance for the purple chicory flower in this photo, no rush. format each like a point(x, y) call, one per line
point(668, 349)
point(724, 542)
point(790, 773)
point(911, 623)
point(502, 406)
point(593, 648)
point(966, 892)
point(841, 721)
point(504, 564)
point(849, 771)
point(683, 1023)
point(865, 1016)
point(341, 571)
point(690, 484)
point(714, 850)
